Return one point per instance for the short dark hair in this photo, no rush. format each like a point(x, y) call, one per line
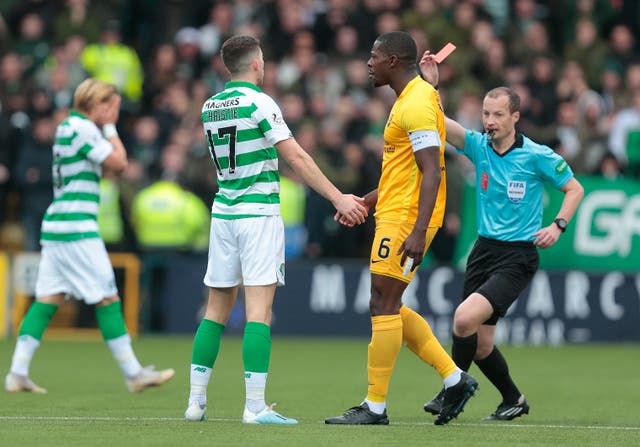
point(237, 52)
point(399, 44)
point(514, 98)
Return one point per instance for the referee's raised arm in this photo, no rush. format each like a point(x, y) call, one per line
point(455, 133)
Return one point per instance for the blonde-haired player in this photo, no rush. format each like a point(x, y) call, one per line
point(74, 260)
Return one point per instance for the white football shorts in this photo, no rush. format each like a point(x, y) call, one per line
point(246, 252)
point(81, 269)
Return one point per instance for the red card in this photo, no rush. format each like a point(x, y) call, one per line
point(444, 52)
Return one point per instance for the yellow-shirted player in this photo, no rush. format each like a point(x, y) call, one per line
point(409, 202)
point(413, 125)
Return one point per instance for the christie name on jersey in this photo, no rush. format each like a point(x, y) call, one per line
point(220, 115)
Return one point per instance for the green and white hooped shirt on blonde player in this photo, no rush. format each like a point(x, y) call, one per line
point(78, 152)
point(241, 126)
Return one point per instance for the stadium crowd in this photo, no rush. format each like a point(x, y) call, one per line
point(575, 65)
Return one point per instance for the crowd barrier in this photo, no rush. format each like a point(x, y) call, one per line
point(18, 272)
point(332, 299)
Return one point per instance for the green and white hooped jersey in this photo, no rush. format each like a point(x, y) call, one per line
point(78, 152)
point(241, 126)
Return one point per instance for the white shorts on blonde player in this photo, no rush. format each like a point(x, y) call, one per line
point(246, 252)
point(81, 269)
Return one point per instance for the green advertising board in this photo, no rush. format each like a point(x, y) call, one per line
point(603, 235)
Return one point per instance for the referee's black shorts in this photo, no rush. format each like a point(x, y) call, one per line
point(499, 271)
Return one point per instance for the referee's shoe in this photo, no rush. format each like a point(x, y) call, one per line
point(507, 412)
point(456, 397)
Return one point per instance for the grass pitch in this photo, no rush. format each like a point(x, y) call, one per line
point(580, 396)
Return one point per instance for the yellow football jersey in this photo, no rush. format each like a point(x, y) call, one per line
point(417, 108)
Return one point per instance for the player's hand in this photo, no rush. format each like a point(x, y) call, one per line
point(112, 110)
point(429, 68)
point(412, 247)
point(343, 219)
point(351, 210)
point(547, 236)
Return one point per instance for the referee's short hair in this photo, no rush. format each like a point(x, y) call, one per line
point(399, 44)
point(238, 51)
point(514, 98)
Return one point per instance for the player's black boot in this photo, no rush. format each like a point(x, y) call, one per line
point(456, 397)
point(434, 406)
point(360, 415)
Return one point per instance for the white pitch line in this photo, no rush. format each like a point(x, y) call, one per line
point(160, 419)
point(100, 418)
point(586, 427)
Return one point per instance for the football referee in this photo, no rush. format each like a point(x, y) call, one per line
point(511, 170)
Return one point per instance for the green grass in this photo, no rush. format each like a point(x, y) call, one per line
point(579, 395)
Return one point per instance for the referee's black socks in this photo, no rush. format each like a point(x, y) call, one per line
point(495, 368)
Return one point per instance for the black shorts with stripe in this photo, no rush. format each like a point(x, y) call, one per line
point(499, 271)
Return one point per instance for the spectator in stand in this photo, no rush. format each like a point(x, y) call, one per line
point(15, 84)
point(79, 17)
point(341, 164)
point(589, 50)
point(190, 62)
point(32, 45)
point(568, 145)
point(217, 29)
point(624, 122)
point(167, 217)
point(161, 72)
point(7, 156)
point(609, 168)
point(542, 82)
point(622, 46)
point(114, 62)
point(632, 77)
point(613, 92)
point(61, 72)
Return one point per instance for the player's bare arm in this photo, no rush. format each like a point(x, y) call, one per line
point(455, 133)
point(117, 160)
point(428, 161)
point(348, 205)
point(549, 235)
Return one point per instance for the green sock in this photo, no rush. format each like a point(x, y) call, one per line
point(206, 343)
point(256, 347)
point(37, 319)
point(111, 321)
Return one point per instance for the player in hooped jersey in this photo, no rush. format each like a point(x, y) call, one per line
point(511, 170)
point(74, 260)
point(409, 204)
point(245, 133)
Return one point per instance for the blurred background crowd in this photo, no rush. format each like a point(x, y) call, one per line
point(575, 64)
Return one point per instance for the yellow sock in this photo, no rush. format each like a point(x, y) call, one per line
point(386, 341)
point(418, 336)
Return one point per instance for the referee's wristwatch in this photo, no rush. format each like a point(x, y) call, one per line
point(561, 223)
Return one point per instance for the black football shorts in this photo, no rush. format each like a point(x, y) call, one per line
point(499, 271)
